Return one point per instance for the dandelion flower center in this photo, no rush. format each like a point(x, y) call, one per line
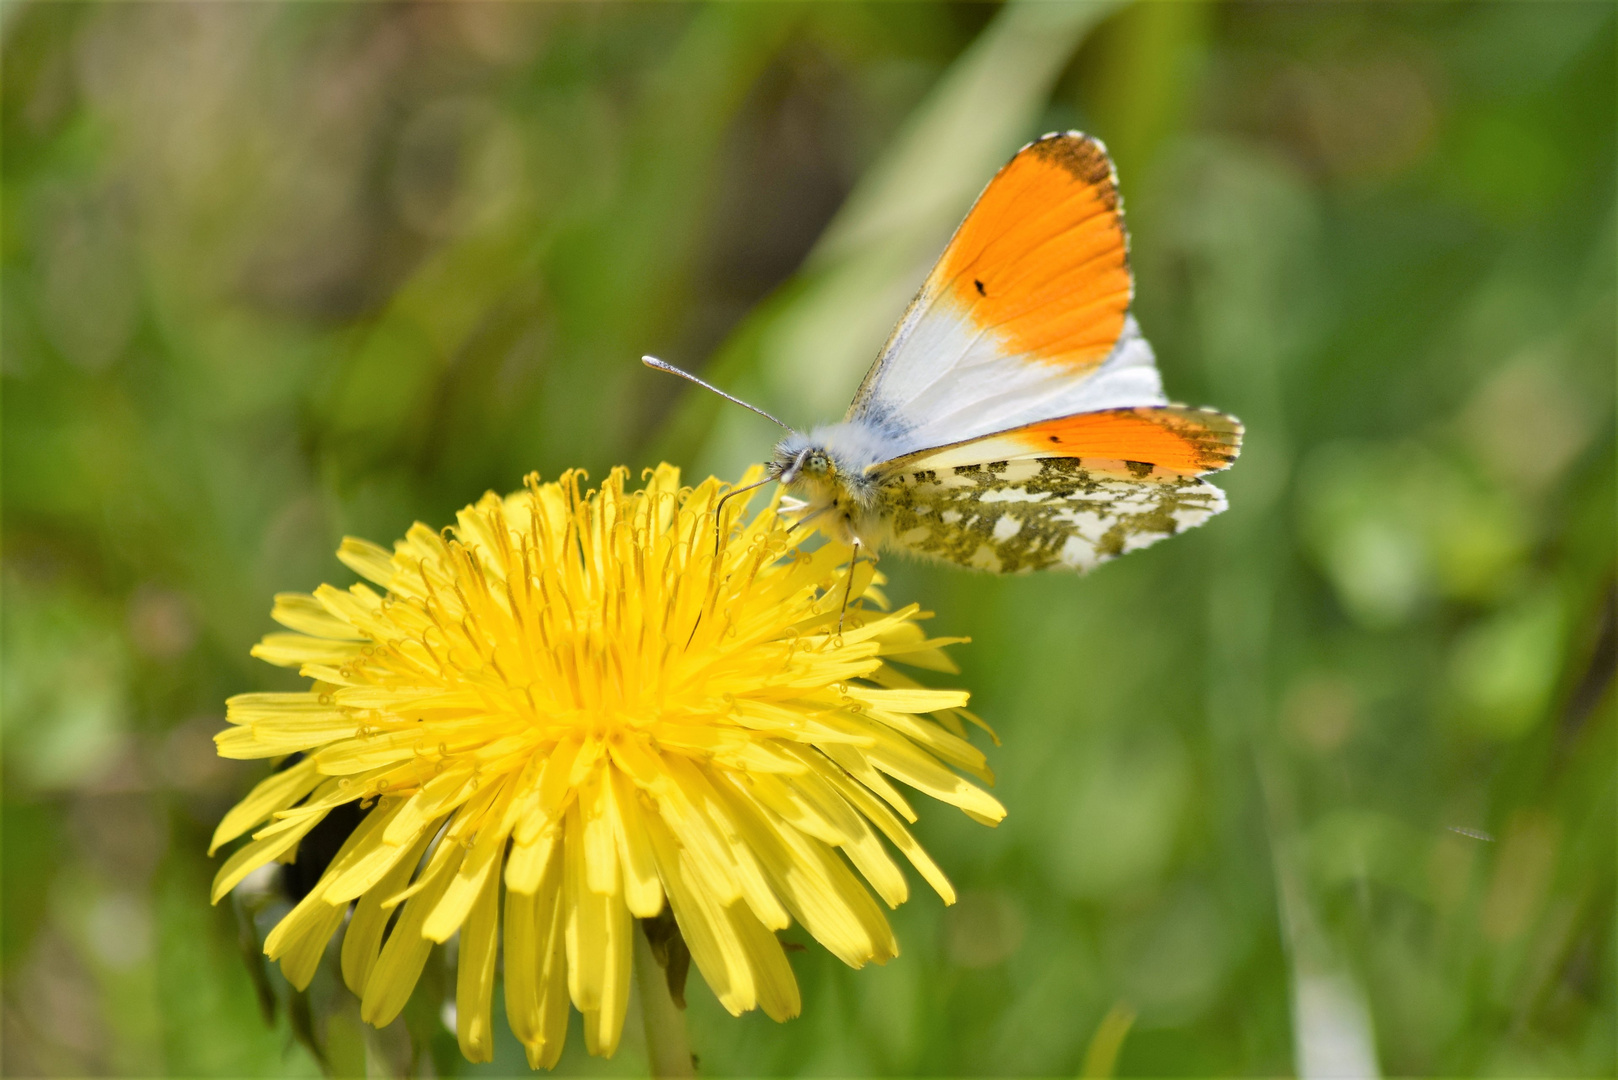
point(572, 709)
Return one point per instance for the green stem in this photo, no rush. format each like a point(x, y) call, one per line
point(667, 1050)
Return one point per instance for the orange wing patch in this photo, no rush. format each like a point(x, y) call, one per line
point(1043, 260)
point(1173, 437)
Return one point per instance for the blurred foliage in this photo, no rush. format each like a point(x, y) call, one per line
point(1326, 783)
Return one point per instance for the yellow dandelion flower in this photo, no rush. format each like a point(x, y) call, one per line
point(573, 694)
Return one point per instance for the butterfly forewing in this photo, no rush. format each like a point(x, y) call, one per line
point(1026, 314)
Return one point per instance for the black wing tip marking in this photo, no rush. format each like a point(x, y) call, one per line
point(1071, 135)
point(1084, 156)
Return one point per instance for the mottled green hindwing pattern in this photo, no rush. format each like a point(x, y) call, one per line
point(1010, 517)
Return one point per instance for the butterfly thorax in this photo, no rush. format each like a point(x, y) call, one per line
point(833, 470)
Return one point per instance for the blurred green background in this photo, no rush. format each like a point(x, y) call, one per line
point(1325, 786)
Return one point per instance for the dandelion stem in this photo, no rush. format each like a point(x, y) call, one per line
point(667, 1051)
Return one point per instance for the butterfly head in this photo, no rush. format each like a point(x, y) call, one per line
point(835, 455)
point(829, 469)
point(808, 465)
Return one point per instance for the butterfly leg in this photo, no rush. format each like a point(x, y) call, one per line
point(848, 590)
point(718, 536)
point(719, 511)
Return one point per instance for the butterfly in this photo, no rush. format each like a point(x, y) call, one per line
point(1015, 420)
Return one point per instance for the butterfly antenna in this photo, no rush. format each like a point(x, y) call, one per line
point(654, 362)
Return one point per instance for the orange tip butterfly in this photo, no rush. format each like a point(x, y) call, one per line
point(1015, 420)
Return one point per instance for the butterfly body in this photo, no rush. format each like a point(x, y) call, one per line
point(1015, 420)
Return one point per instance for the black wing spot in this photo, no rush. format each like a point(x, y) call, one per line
point(979, 284)
point(1056, 438)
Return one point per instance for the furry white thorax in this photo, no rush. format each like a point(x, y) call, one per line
point(832, 469)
